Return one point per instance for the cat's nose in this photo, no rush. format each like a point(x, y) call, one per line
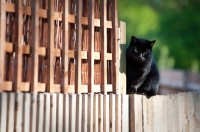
point(140, 55)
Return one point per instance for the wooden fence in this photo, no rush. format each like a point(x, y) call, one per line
point(63, 46)
point(51, 112)
point(96, 112)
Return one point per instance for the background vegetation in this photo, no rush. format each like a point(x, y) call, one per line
point(175, 24)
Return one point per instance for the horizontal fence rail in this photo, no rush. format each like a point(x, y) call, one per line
point(46, 112)
point(62, 46)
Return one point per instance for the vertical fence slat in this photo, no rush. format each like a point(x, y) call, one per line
point(65, 46)
point(95, 113)
point(59, 121)
point(72, 113)
point(91, 45)
point(19, 112)
point(27, 110)
point(100, 113)
point(50, 48)
point(53, 113)
point(78, 112)
point(66, 113)
point(47, 112)
point(33, 112)
point(78, 46)
point(103, 17)
point(18, 46)
point(90, 112)
point(34, 45)
point(2, 41)
point(175, 115)
point(105, 113)
point(196, 111)
point(84, 113)
point(11, 115)
point(164, 110)
point(40, 112)
point(125, 113)
point(157, 100)
point(115, 62)
point(169, 113)
point(3, 110)
point(112, 112)
point(182, 123)
point(135, 109)
point(118, 113)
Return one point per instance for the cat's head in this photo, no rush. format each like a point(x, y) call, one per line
point(140, 49)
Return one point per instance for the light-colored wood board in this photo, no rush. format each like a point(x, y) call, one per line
point(53, 112)
point(9, 47)
point(176, 113)
point(91, 45)
point(59, 121)
point(103, 17)
point(100, 113)
point(157, 100)
point(181, 111)
point(112, 119)
point(106, 113)
point(169, 113)
point(95, 113)
point(2, 41)
point(125, 113)
point(19, 112)
point(115, 46)
point(78, 112)
point(27, 110)
point(164, 111)
point(65, 46)
point(78, 46)
point(66, 113)
point(196, 96)
point(90, 112)
point(33, 112)
point(50, 49)
point(7, 85)
point(72, 112)
point(11, 111)
point(40, 112)
point(47, 112)
point(84, 113)
point(3, 110)
point(118, 112)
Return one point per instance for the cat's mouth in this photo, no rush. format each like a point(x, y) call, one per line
point(139, 59)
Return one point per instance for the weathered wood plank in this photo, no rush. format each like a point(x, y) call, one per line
point(26, 113)
point(34, 45)
point(196, 111)
point(19, 112)
point(95, 113)
point(112, 120)
point(2, 41)
point(65, 47)
point(33, 112)
point(78, 112)
point(84, 112)
point(105, 113)
point(91, 45)
point(47, 112)
point(100, 113)
point(182, 123)
point(90, 112)
point(125, 113)
point(11, 115)
point(118, 113)
point(72, 113)
point(40, 112)
point(115, 46)
point(50, 49)
point(3, 110)
point(169, 113)
point(53, 112)
point(103, 17)
point(78, 46)
point(18, 46)
point(66, 113)
point(59, 120)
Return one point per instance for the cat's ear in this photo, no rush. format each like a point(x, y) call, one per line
point(133, 39)
point(152, 43)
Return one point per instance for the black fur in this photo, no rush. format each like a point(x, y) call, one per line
point(141, 70)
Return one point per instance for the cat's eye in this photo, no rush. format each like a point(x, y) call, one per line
point(144, 53)
point(136, 50)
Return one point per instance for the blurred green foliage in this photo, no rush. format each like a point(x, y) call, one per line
point(175, 24)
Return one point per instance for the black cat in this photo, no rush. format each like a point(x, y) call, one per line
point(141, 70)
